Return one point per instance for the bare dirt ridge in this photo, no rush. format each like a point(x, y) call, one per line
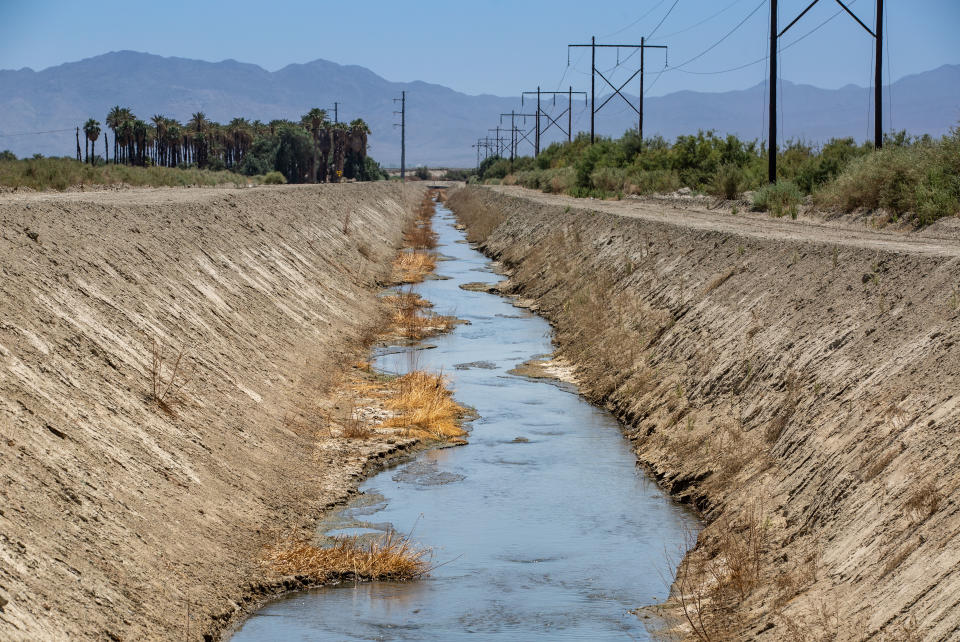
point(796, 381)
point(122, 517)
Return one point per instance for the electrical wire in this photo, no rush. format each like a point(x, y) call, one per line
point(635, 22)
point(718, 42)
point(704, 21)
point(51, 131)
point(767, 57)
point(662, 20)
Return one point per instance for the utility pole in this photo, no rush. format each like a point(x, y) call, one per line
point(499, 141)
point(551, 120)
point(593, 85)
point(772, 143)
point(336, 110)
point(403, 134)
point(477, 146)
point(878, 81)
point(878, 78)
point(516, 133)
point(617, 91)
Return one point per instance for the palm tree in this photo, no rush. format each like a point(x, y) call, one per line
point(326, 142)
point(315, 121)
point(140, 132)
point(159, 124)
point(91, 129)
point(114, 118)
point(240, 137)
point(198, 126)
point(357, 143)
point(125, 136)
point(174, 136)
point(340, 133)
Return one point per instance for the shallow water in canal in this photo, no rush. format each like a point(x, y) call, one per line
point(553, 538)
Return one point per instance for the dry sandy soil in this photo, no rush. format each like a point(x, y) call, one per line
point(122, 518)
point(796, 381)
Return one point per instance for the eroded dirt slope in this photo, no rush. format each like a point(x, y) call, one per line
point(797, 382)
point(120, 519)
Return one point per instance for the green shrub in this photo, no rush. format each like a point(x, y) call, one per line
point(727, 182)
point(782, 197)
point(274, 178)
point(422, 172)
point(458, 174)
point(921, 178)
point(658, 181)
point(608, 179)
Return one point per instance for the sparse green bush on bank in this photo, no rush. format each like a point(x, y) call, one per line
point(458, 174)
point(778, 198)
point(274, 178)
point(915, 177)
point(922, 179)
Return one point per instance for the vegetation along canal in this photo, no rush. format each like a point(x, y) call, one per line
point(541, 527)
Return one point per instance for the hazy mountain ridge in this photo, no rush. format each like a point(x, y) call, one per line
point(442, 124)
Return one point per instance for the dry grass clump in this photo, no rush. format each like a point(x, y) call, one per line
point(713, 581)
point(413, 267)
point(424, 407)
point(924, 499)
point(163, 391)
point(409, 322)
point(391, 557)
point(356, 425)
point(420, 235)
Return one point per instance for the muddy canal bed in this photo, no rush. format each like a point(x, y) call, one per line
point(543, 527)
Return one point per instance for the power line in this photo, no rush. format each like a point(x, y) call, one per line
point(728, 34)
point(764, 58)
point(635, 22)
point(704, 21)
point(50, 131)
point(659, 24)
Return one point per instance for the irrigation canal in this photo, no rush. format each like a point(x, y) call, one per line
point(555, 535)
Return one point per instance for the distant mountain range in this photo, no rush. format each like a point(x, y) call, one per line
point(442, 124)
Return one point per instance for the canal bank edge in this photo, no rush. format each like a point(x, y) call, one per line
point(801, 393)
point(127, 518)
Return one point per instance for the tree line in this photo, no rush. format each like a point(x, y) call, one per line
point(311, 150)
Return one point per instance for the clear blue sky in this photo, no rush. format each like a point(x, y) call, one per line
point(490, 47)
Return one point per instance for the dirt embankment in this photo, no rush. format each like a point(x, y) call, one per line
point(798, 383)
point(125, 518)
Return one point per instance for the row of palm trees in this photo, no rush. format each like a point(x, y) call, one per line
point(204, 143)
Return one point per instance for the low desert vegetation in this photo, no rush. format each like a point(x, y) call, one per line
point(65, 173)
point(424, 407)
point(409, 320)
point(413, 267)
point(916, 178)
point(391, 557)
point(419, 235)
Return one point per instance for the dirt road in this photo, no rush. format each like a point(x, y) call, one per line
point(941, 239)
point(124, 518)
